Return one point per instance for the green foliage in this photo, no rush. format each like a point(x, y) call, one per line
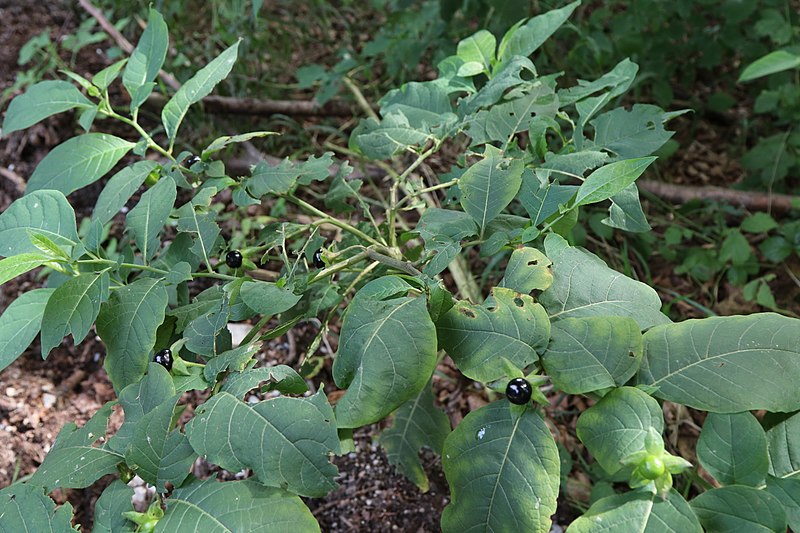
point(525, 144)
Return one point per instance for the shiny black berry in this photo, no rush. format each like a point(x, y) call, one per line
point(164, 358)
point(518, 391)
point(234, 259)
point(192, 160)
point(318, 262)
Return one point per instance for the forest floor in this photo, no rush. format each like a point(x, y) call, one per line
point(37, 397)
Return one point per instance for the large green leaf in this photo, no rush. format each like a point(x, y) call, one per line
point(78, 162)
point(543, 200)
point(387, 352)
point(14, 266)
point(120, 188)
point(147, 219)
point(739, 509)
point(127, 325)
point(783, 441)
point(424, 104)
point(40, 101)
point(617, 81)
point(73, 308)
point(196, 217)
point(500, 122)
point(197, 88)
point(625, 211)
point(146, 59)
point(384, 139)
point(638, 511)
point(26, 508)
point(44, 212)
point(208, 334)
point(584, 286)
point(286, 441)
point(478, 48)
point(524, 40)
point(593, 353)
point(617, 425)
point(528, 270)
point(416, 424)
point(281, 377)
point(486, 341)
point(726, 364)
point(611, 179)
point(20, 323)
point(234, 507)
point(630, 134)
point(159, 455)
point(266, 298)
point(733, 448)
point(235, 360)
point(73, 461)
point(503, 471)
point(489, 185)
point(787, 491)
point(114, 501)
point(281, 178)
point(773, 62)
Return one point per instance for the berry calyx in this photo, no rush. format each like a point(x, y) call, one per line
point(164, 358)
point(518, 391)
point(234, 259)
point(318, 262)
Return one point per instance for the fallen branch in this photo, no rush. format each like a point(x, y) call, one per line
point(751, 200)
point(253, 106)
point(17, 183)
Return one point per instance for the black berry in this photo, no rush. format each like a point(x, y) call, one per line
point(234, 259)
point(192, 160)
point(318, 262)
point(518, 391)
point(164, 358)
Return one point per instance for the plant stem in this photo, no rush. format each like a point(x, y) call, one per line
point(336, 222)
point(150, 142)
point(360, 100)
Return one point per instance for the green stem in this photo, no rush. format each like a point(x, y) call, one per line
point(339, 267)
point(336, 222)
point(427, 190)
point(359, 96)
point(154, 270)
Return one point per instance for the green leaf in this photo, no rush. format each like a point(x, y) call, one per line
point(503, 472)
point(733, 448)
point(387, 352)
point(140, 398)
point(489, 185)
point(500, 122)
point(286, 441)
point(541, 201)
point(426, 105)
point(725, 364)
point(159, 455)
point(234, 506)
point(611, 179)
point(626, 212)
point(48, 247)
point(281, 378)
point(266, 298)
point(197, 88)
point(638, 511)
point(73, 462)
point(127, 325)
point(78, 162)
point(524, 40)
point(783, 440)
point(27, 508)
point(120, 188)
point(235, 359)
point(617, 425)
point(584, 286)
point(14, 266)
point(40, 101)
point(147, 219)
point(20, 323)
point(415, 424)
point(739, 508)
point(203, 335)
point(478, 48)
point(103, 79)
point(758, 223)
point(787, 492)
point(630, 134)
point(593, 353)
point(73, 308)
point(484, 340)
point(196, 217)
point(776, 61)
point(222, 142)
point(45, 212)
point(392, 135)
point(114, 501)
point(146, 59)
point(506, 77)
point(528, 270)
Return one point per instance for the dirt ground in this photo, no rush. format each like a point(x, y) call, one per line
point(37, 397)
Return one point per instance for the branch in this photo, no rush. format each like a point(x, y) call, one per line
point(252, 106)
point(751, 200)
